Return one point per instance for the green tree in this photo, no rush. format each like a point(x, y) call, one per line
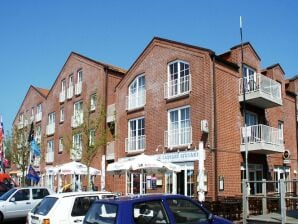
point(20, 149)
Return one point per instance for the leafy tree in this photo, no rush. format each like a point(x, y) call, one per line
point(20, 149)
point(92, 131)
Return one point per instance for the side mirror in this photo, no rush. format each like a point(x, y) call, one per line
point(210, 217)
point(13, 199)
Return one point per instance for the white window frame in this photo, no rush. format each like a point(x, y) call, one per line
point(51, 118)
point(178, 82)
point(92, 137)
point(62, 114)
point(61, 145)
point(250, 78)
point(63, 85)
point(280, 132)
point(137, 92)
point(70, 81)
point(39, 108)
point(92, 102)
point(136, 137)
point(80, 76)
point(176, 133)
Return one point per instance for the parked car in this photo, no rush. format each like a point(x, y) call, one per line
point(17, 202)
point(66, 208)
point(169, 209)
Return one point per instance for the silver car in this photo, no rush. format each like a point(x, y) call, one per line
point(17, 202)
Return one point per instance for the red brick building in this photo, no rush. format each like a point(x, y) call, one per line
point(173, 98)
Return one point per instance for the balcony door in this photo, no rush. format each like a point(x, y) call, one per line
point(250, 77)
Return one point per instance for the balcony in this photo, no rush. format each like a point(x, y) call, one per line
point(77, 120)
point(76, 153)
point(78, 88)
point(261, 91)
point(135, 101)
point(50, 129)
point(49, 157)
point(62, 96)
point(177, 87)
point(38, 116)
point(135, 144)
point(69, 93)
point(177, 138)
point(110, 155)
point(262, 139)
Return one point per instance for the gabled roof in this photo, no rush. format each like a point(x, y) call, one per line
point(275, 65)
point(107, 66)
point(41, 91)
point(239, 45)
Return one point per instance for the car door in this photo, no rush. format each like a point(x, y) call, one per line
point(18, 204)
point(80, 207)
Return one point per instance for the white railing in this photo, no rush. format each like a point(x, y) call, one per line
point(38, 116)
point(136, 143)
point(178, 137)
point(78, 88)
point(134, 101)
point(262, 134)
point(177, 87)
point(77, 120)
point(76, 153)
point(49, 157)
point(69, 92)
point(261, 83)
point(51, 129)
point(62, 96)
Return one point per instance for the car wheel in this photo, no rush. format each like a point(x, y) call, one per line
point(1, 218)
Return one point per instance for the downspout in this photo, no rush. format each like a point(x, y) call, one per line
point(214, 142)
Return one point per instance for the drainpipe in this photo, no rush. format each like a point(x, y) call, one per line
point(214, 121)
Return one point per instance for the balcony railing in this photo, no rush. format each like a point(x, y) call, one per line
point(78, 88)
point(76, 153)
point(38, 116)
point(76, 120)
point(51, 129)
point(134, 101)
point(62, 96)
point(260, 91)
point(177, 87)
point(262, 139)
point(49, 157)
point(69, 92)
point(178, 137)
point(137, 143)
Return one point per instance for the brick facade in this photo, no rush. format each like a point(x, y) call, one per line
point(213, 96)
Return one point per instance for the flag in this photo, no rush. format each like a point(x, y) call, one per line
point(35, 148)
point(1, 130)
point(31, 133)
point(32, 175)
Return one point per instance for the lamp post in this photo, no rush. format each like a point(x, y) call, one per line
point(244, 110)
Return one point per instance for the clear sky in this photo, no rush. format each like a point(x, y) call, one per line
point(37, 36)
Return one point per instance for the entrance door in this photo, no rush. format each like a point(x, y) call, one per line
point(180, 182)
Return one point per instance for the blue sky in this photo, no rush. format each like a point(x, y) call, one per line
point(36, 37)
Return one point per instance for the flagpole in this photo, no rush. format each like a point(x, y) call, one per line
point(244, 107)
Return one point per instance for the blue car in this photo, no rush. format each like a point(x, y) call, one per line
point(151, 209)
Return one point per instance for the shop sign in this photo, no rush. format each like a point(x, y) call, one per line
point(179, 156)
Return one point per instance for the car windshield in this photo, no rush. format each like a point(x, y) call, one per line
point(103, 213)
point(43, 207)
point(7, 194)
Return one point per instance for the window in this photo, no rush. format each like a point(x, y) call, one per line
point(39, 193)
point(60, 145)
point(178, 79)
point(185, 211)
point(39, 108)
point(80, 76)
point(279, 174)
point(78, 108)
point(70, 81)
point(250, 78)
point(62, 114)
point(136, 134)
point(50, 152)
point(280, 132)
point(179, 128)
point(136, 97)
point(150, 212)
point(92, 137)
point(76, 152)
point(82, 204)
point(63, 86)
point(50, 148)
point(32, 113)
point(77, 118)
point(38, 134)
point(51, 119)
point(93, 102)
point(22, 195)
